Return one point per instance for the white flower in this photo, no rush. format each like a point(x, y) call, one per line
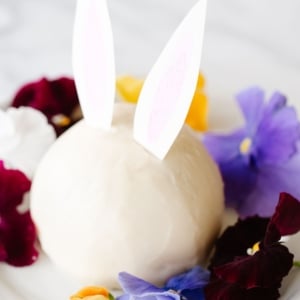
point(25, 136)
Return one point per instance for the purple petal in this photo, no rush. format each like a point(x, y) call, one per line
point(277, 133)
point(271, 181)
point(197, 294)
point(240, 180)
point(224, 147)
point(194, 279)
point(276, 102)
point(251, 102)
point(150, 296)
point(136, 286)
point(123, 297)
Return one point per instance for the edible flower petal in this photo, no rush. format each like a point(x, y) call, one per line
point(238, 274)
point(56, 99)
point(17, 231)
point(188, 285)
point(92, 293)
point(25, 138)
point(261, 159)
point(129, 89)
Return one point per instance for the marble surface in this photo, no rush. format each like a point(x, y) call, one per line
point(246, 43)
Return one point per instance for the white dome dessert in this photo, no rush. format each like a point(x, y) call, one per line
point(103, 204)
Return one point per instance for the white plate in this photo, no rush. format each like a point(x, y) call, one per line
point(247, 42)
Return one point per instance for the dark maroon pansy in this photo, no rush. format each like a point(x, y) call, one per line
point(17, 231)
point(249, 261)
point(57, 99)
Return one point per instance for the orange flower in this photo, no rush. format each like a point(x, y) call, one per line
point(129, 89)
point(92, 293)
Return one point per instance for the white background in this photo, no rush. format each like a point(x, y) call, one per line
point(247, 42)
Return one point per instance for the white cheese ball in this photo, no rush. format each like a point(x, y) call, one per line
point(102, 204)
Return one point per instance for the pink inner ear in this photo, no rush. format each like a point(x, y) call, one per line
point(168, 93)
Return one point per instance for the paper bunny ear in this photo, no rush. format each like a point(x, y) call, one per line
point(169, 88)
point(93, 62)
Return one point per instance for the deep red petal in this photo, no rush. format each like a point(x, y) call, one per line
point(286, 219)
point(264, 269)
point(13, 185)
point(19, 237)
point(221, 290)
point(3, 253)
point(238, 238)
point(51, 97)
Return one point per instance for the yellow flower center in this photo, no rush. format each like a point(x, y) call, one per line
point(255, 248)
point(61, 120)
point(245, 145)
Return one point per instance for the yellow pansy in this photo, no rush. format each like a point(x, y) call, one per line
point(129, 89)
point(92, 293)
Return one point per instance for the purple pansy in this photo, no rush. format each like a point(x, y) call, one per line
point(260, 160)
point(188, 286)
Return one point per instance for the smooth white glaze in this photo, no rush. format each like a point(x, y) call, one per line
point(102, 204)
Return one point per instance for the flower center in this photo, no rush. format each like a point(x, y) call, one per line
point(245, 145)
point(255, 248)
point(61, 120)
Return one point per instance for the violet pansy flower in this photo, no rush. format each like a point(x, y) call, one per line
point(259, 160)
point(188, 286)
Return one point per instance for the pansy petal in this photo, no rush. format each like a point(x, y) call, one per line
point(224, 148)
point(194, 279)
point(136, 286)
point(52, 97)
point(276, 102)
point(271, 181)
point(196, 294)
point(151, 296)
point(13, 185)
point(124, 297)
point(286, 220)
point(19, 236)
point(236, 239)
point(167, 295)
point(264, 269)
point(3, 253)
point(277, 136)
point(239, 181)
point(32, 134)
point(221, 290)
point(251, 102)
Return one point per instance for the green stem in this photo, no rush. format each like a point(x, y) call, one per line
point(296, 264)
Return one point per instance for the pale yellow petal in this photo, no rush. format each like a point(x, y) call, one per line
point(91, 293)
point(129, 88)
